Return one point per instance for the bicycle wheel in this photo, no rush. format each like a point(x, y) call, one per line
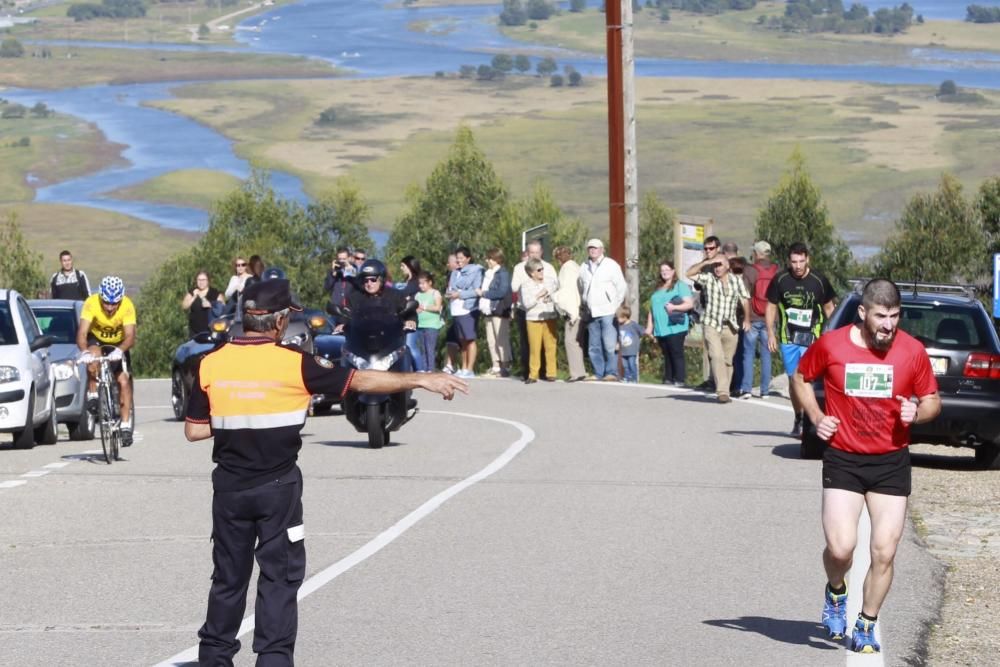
point(107, 422)
point(116, 441)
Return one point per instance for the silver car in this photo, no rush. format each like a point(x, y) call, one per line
point(27, 396)
point(59, 319)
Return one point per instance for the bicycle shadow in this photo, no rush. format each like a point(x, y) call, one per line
point(804, 633)
point(89, 458)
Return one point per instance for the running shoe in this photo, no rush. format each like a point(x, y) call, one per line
point(464, 374)
point(835, 613)
point(797, 427)
point(449, 369)
point(126, 436)
point(863, 638)
point(92, 402)
point(745, 396)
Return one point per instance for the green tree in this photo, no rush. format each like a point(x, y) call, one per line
point(20, 266)
point(938, 238)
point(513, 13)
point(203, 31)
point(14, 111)
point(40, 110)
point(546, 66)
point(522, 63)
point(656, 243)
point(574, 78)
point(946, 88)
point(463, 202)
point(502, 62)
point(251, 220)
point(577, 6)
point(539, 10)
point(795, 211)
point(988, 208)
point(11, 48)
point(540, 208)
point(556, 80)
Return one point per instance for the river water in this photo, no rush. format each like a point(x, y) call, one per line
point(375, 40)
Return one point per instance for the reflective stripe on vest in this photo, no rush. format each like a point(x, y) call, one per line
point(232, 422)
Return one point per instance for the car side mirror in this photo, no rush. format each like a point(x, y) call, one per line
point(42, 341)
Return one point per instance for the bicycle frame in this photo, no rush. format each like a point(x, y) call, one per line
point(109, 418)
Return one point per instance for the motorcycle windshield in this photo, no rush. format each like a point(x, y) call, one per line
point(374, 332)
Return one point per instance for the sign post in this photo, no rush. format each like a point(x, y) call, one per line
point(996, 285)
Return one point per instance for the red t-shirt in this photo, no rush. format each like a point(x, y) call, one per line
point(862, 385)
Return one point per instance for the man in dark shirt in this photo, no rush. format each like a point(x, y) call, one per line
point(67, 282)
point(799, 301)
point(253, 395)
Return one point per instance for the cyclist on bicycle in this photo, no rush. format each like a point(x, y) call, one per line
point(108, 319)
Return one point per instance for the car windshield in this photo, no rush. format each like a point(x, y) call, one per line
point(943, 326)
point(60, 323)
point(7, 334)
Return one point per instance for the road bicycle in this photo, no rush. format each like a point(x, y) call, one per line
point(108, 414)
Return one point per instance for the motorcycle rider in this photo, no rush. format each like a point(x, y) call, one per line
point(370, 298)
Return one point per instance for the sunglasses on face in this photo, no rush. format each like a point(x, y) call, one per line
point(241, 263)
point(359, 258)
point(371, 280)
point(711, 247)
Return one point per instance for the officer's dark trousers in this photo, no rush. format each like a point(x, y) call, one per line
point(259, 516)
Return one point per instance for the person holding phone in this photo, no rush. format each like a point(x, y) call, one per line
point(199, 302)
point(799, 302)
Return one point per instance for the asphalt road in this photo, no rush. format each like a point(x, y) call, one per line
point(557, 524)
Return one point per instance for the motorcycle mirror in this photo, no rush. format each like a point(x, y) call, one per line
point(342, 312)
point(409, 309)
point(204, 337)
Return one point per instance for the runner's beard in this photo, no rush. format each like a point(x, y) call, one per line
point(883, 343)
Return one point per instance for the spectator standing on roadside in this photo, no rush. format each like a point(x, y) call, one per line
point(568, 305)
point(256, 268)
point(429, 320)
point(602, 290)
point(359, 257)
point(409, 267)
point(710, 247)
point(495, 303)
point(452, 352)
point(518, 276)
point(464, 307)
point(736, 265)
point(538, 298)
point(799, 301)
point(68, 282)
point(629, 340)
point(201, 302)
point(237, 281)
point(724, 294)
point(339, 283)
point(757, 277)
point(869, 370)
point(668, 322)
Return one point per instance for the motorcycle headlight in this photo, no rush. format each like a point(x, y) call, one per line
point(65, 370)
point(219, 326)
point(357, 362)
point(9, 374)
point(386, 362)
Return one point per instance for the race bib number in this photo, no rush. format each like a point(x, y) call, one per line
point(868, 380)
point(799, 317)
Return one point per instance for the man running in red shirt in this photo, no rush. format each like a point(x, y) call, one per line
point(870, 371)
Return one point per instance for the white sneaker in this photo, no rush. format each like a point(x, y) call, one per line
point(449, 369)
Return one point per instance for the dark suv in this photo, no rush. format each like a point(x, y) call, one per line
point(962, 344)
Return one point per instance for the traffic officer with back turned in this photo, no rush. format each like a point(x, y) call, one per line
point(252, 395)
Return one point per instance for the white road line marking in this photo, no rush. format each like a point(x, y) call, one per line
point(388, 536)
point(57, 464)
point(36, 473)
point(10, 484)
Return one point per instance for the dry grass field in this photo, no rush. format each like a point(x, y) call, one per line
point(710, 147)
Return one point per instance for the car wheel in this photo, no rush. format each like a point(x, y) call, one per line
point(84, 428)
point(178, 394)
point(48, 433)
point(988, 456)
point(26, 439)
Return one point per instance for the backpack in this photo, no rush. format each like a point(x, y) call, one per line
point(758, 300)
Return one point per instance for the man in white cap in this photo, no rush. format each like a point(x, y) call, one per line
point(602, 290)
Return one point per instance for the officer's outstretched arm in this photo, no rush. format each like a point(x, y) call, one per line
point(380, 382)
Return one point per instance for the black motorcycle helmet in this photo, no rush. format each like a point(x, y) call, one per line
point(372, 268)
point(273, 272)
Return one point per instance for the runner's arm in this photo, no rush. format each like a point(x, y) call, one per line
point(928, 408)
point(770, 316)
point(829, 307)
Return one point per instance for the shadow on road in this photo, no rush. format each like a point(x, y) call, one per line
point(807, 633)
point(358, 444)
point(693, 398)
point(789, 451)
point(777, 434)
point(87, 458)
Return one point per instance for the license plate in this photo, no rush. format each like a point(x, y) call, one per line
point(940, 365)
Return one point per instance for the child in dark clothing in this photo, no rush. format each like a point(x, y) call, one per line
point(629, 336)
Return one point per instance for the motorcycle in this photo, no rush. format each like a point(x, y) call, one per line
point(377, 341)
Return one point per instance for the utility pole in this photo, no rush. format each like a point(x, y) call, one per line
point(623, 225)
point(631, 265)
point(616, 132)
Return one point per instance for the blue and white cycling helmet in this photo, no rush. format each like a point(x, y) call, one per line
point(112, 289)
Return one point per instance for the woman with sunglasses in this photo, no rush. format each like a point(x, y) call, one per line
point(238, 281)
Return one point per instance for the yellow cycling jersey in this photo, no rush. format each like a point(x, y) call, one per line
point(108, 330)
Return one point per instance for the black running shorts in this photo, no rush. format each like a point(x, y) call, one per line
point(881, 473)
